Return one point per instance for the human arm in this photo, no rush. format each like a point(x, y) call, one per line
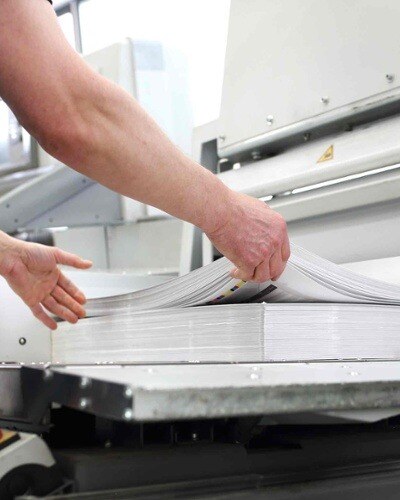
point(95, 127)
point(32, 272)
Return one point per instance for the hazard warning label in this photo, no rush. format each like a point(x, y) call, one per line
point(328, 155)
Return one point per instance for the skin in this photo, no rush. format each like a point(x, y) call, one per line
point(98, 129)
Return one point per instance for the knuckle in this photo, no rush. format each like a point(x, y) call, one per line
point(265, 249)
point(276, 240)
point(250, 260)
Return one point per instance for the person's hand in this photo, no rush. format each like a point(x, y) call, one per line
point(254, 238)
point(32, 272)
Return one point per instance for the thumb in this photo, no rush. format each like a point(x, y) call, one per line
point(242, 274)
point(70, 259)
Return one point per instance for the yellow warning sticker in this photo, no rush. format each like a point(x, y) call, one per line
point(6, 435)
point(328, 155)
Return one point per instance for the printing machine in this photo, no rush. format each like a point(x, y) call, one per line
point(310, 121)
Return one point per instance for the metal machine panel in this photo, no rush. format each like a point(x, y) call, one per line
point(364, 149)
point(95, 204)
point(58, 198)
point(363, 233)
point(149, 246)
point(90, 242)
point(288, 62)
point(171, 392)
point(23, 337)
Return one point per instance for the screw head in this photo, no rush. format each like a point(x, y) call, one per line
point(222, 138)
point(22, 340)
point(84, 382)
point(256, 155)
point(128, 414)
point(306, 136)
point(270, 120)
point(325, 100)
point(128, 392)
point(84, 403)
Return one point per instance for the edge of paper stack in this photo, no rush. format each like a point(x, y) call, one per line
point(316, 310)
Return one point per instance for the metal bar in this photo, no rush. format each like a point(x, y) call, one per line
point(185, 391)
point(372, 108)
point(74, 6)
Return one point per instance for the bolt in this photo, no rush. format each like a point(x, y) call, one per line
point(22, 340)
point(390, 77)
point(128, 392)
point(325, 100)
point(84, 382)
point(128, 414)
point(306, 136)
point(256, 155)
point(195, 436)
point(270, 120)
point(84, 403)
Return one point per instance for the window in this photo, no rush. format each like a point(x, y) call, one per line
point(194, 33)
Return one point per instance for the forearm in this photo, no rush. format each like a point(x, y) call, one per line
point(91, 124)
point(120, 146)
point(98, 129)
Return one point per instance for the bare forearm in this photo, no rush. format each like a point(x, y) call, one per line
point(92, 124)
point(96, 128)
point(120, 146)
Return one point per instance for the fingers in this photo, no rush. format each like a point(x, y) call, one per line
point(244, 274)
point(285, 249)
point(263, 272)
point(268, 269)
point(70, 259)
point(71, 289)
point(59, 310)
point(39, 313)
point(63, 298)
point(276, 265)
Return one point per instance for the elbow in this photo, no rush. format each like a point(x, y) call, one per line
point(67, 139)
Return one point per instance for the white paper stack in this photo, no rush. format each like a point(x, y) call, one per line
point(316, 310)
point(307, 278)
point(234, 333)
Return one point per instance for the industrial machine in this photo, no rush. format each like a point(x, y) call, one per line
point(310, 121)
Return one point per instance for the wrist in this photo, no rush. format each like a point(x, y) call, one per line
point(8, 247)
point(218, 207)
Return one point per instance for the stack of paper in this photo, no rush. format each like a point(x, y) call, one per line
point(307, 278)
point(298, 323)
point(234, 333)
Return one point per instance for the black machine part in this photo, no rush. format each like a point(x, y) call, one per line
point(30, 478)
point(203, 459)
